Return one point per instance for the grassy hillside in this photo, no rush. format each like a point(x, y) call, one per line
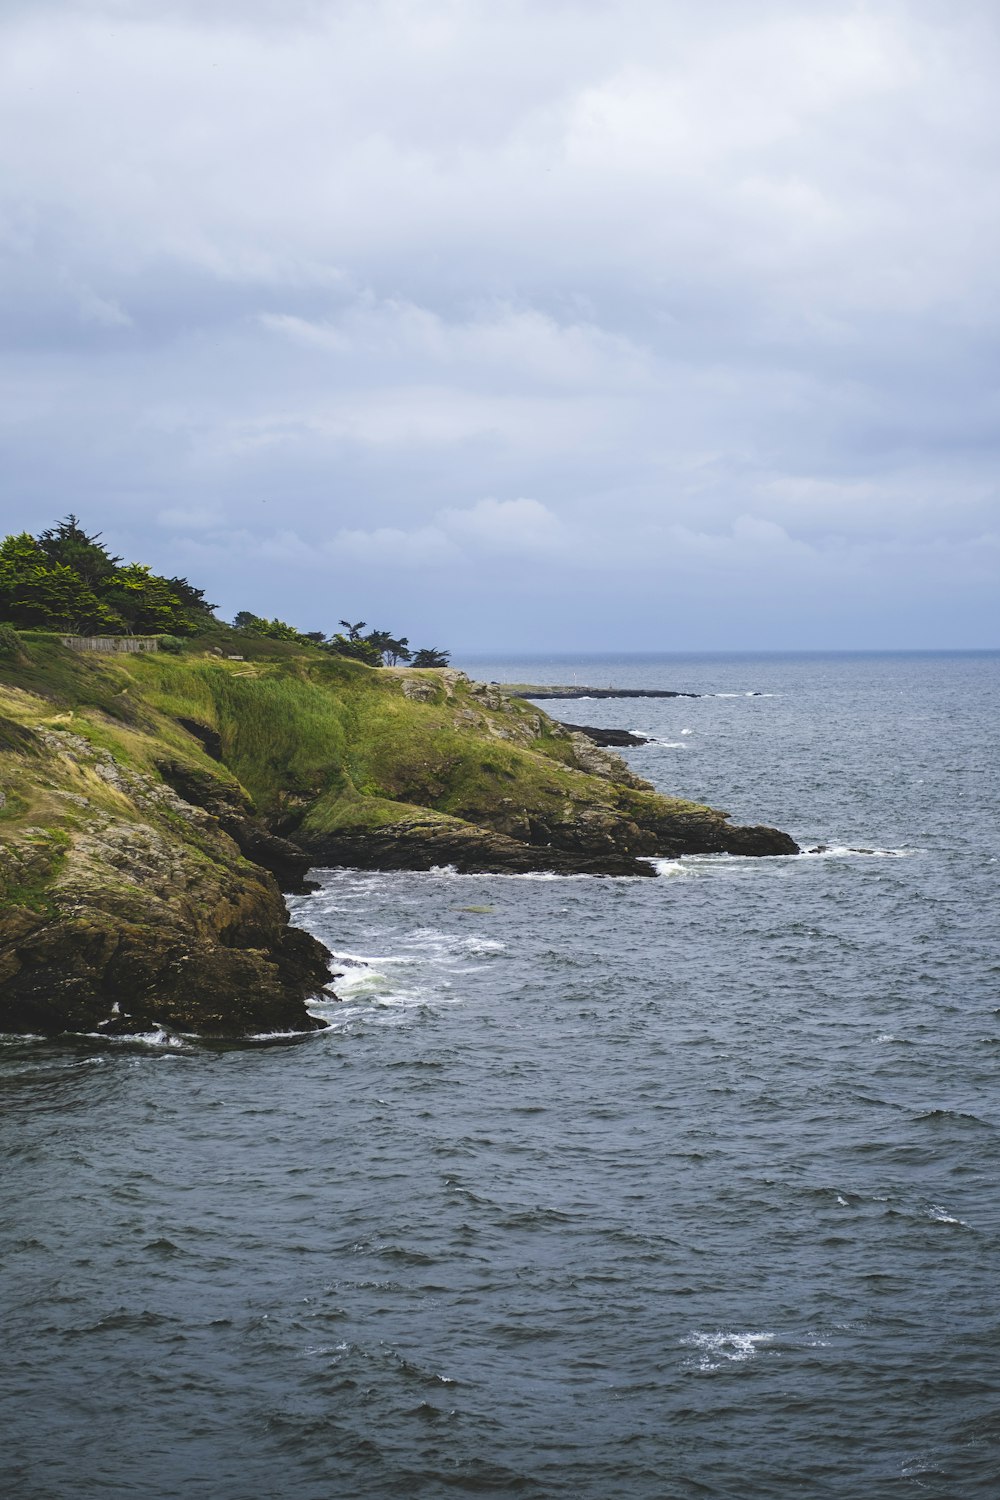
point(320, 742)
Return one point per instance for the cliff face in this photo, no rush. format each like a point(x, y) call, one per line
point(153, 807)
point(125, 909)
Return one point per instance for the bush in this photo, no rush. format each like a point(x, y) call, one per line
point(171, 643)
point(10, 642)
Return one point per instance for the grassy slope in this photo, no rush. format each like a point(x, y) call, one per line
point(316, 741)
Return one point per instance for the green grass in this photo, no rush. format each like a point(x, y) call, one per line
point(314, 739)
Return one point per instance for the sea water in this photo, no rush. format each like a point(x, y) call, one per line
point(674, 1187)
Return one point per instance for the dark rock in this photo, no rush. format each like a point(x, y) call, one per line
point(227, 802)
point(148, 917)
point(470, 850)
point(209, 738)
point(606, 737)
point(594, 843)
point(529, 691)
point(94, 973)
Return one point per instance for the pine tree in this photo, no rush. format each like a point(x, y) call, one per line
point(69, 544)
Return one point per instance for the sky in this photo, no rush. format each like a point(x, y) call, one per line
point(554, 325)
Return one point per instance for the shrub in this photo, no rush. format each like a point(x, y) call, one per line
point(10, 642)
point(171, 643)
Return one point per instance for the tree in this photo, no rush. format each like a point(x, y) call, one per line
point(63, 599)
point(34, 591)
point(192, 600)
point(69, 544)
point(353, 631)
point(272, 630)
point(22, 561)
point(357, 650)
point(430, 656)
point(389, 648)
point(397, 650)
point(145, 602)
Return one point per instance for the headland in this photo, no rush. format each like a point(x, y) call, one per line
point(156, 805)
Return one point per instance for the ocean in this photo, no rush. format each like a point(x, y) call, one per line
point(685, 1187)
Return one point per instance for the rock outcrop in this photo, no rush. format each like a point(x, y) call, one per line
point(448, 843)
point(130, 909)
point(608, 738)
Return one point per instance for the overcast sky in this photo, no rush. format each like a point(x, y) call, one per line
point(563, 324)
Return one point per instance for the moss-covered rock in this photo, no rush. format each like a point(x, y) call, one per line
point(123, 907)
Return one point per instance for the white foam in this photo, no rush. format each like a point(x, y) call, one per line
point(700, 865)
point(357, 981)
point(940, 1216)
point(284, 1036)
point(159, 1038)
point(850, 851)
point(717, 1349)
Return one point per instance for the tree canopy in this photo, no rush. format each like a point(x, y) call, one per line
point(377, 648)
point(66, 579)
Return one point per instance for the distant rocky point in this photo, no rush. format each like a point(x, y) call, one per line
point(538, 691)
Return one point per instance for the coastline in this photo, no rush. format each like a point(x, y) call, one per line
point(155, 808)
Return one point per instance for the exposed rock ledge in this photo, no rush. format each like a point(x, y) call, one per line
point(609, 739)
point(423, 845)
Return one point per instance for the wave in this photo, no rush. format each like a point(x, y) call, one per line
point(451, 873)
point(717, 1349)
point(941, 1216)
point(706, 864)
point(158, 1040)
point(845, 851)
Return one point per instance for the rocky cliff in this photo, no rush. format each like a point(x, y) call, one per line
point(153, 808)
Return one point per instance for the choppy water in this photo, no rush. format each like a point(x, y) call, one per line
point(672, 1188)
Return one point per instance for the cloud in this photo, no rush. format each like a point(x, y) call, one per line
point(391, 547)
point(506, 526)
point(714, 286)
point(486, 529)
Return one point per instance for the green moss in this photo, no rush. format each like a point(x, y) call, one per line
point(36, 897)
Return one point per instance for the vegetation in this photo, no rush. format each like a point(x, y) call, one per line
point(375, 649)
point(65, 579)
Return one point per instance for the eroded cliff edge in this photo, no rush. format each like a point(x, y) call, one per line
point(154, 807)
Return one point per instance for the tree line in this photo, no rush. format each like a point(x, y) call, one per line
point(377, 648)
point(66, 579)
